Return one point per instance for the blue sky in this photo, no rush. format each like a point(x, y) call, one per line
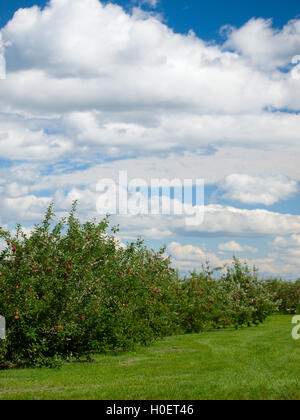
point(205, 19)
point(158, 89)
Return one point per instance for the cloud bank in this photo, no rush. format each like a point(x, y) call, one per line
point(91, 89)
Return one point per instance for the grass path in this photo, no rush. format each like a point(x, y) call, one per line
point(257, 363)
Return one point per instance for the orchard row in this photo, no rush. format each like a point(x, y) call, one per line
point(68, 290)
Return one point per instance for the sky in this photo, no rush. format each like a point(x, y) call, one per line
point(160, 89)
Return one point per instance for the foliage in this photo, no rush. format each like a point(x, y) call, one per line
point(69, 289)
point(287, 293)
point(237, 298)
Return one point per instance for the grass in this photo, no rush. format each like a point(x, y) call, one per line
point(257, 363)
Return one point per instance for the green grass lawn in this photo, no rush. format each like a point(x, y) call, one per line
point(257, 363)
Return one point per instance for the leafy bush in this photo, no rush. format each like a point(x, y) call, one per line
point(250, 302)
point(237, 298)
point(69, 289)
point(287, 293)
point(199, 302)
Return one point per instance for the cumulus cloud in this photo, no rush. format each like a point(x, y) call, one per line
point(266, 190)
point(291, 242)
point(210, 167)
point(190, 257)
point(288, 248)
point(171, 133)
point(89, 134)
point(26, 140)
point(233, 246)
point(88, 83)
point(29, 208)
point(2, 60)
point(229, 221)
point(219, 220)
point(285, 252)
point(265, 46)
point(120, 83)
point(150, 3)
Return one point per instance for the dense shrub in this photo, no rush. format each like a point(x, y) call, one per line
point(249, 300)
point(69, 289)
point(288, 294)
point(237, 298)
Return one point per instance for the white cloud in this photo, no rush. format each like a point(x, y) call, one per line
point(230, 246)
point(16, 190)
point(23, 209)
point(170, 133)
point(266, 190)
point(87, 81)
point(190, 257)
point(286, 254)
point(2, 60)
point(86, 135)
point(151, 3)
point(21, 140)
point(211, 168)
point(291, 242)
point(231, 221)
point(219, 220)
point(287, 248)
point(193, 256)
point(120, 84)
point(233, 246)
point(265, 46)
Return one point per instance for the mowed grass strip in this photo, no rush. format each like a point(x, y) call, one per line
point(252, 363)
